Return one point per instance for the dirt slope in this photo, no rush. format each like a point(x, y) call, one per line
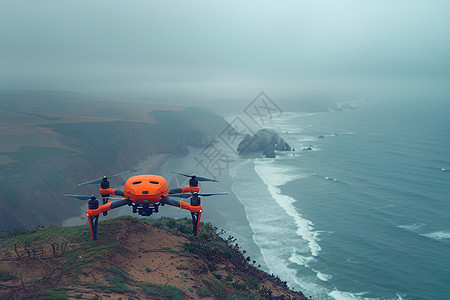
point(132, 259)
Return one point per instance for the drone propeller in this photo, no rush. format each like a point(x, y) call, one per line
point(94, 209)
point(104, 178)
point(195, 177)
point(197, 194)
point(85, 197)
point(81, 197)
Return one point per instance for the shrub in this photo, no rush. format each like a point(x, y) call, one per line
point(212, 266)
point(163, 290)
point(171, 223)
point(6, 275)
point(203, 292)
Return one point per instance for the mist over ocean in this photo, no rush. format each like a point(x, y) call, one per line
point(365, 213)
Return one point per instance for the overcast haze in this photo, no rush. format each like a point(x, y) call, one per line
point(224, 49)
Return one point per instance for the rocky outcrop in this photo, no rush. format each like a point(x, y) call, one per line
point(264, 142)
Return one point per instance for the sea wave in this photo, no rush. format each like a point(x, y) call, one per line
point(323, 276)
point(339, 295)
point(275, 175)
point(412, 227)
point(438, 235)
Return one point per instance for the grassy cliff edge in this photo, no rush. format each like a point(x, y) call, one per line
point(132, 259)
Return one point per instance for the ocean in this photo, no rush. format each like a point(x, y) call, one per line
point(364, 214)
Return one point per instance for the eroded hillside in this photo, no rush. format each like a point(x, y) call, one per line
point(132, 259)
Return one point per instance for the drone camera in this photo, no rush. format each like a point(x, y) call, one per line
point(146, 209)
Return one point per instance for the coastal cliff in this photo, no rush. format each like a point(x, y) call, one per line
point(54, 141)
point(133, 259)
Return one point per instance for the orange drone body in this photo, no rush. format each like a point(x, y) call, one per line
point(146, 187)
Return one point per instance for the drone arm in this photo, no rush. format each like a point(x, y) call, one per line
point(196, 210)
point(191, 208)
point(168, 201)
point(110, 191)
point(190, 189)
point(181, 204)
point(107, 206)
point(184, 189)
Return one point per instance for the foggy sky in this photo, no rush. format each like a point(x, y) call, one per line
point(223, 49)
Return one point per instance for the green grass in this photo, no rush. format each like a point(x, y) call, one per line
point(217, 287)
point(162, 290)
point(119, 285)
point(251, 282)
point(56, 293)
point(73, 246)
point(119, 272)
point(203, 292)
point(229, 279)
point(168, 249)
point(212, 266)
point(50, 234)
point(218, 275)
point(183, 226)
point(6, 275)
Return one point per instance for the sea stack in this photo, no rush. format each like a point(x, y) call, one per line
point(264, 142)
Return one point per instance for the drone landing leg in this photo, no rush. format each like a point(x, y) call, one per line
point(196, 221)
point(92, 213)
point(93, 222)
point(196, 210)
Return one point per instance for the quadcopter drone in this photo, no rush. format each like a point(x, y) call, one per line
point(145, 193)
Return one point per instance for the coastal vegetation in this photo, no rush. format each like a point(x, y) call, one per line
point(138, 258)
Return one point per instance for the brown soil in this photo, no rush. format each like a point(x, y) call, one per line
point(143, 254)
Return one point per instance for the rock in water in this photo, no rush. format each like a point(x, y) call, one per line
point(264, 142)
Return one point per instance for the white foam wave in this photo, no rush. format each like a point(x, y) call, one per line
point(438, 235)
point(399, 297)
point(330, 178)
point(301, 260)
point(326, 177)
point(354, 260)
point(323, 276)
point(339, 295)
point(412, 227)
point(274, 176)
point(305, 138)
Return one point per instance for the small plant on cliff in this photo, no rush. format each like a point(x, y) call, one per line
point(6, 275)
point(162, 290)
